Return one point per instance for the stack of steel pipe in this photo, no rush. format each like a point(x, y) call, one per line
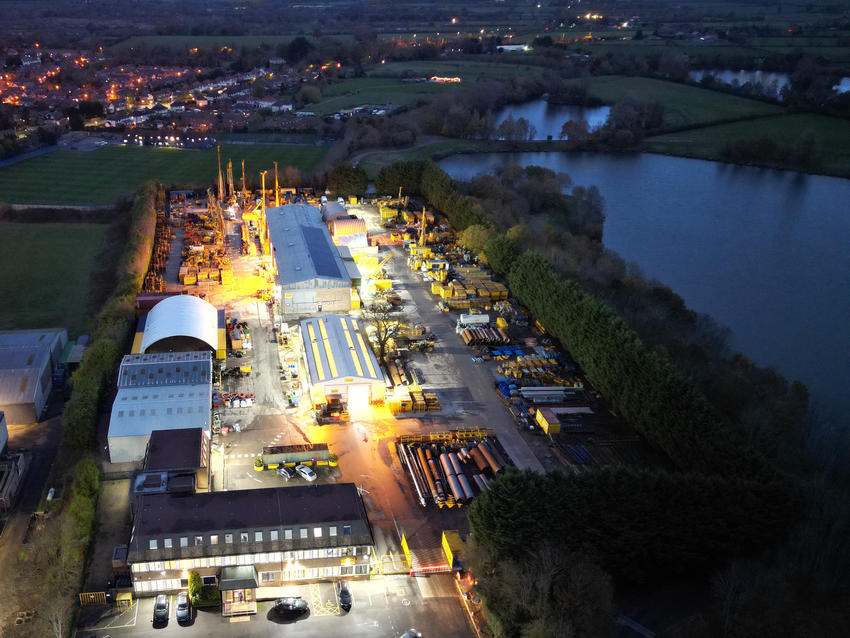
point(416, 475)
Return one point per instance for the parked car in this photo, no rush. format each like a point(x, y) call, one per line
point(411, 633)
point(344, 595)
point(291, 605)
point(285, 472)
point(160, 609)
point(306, 473)
point(184, 611)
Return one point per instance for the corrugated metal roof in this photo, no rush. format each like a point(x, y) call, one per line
point(23, 357)
point(164, 369)
point(181, 316)
point(303, 248)
point(337, 348)
point(139, 411)
point(347, 226)
point(329, 209)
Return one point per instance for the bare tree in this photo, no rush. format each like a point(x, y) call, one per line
point(385, 324)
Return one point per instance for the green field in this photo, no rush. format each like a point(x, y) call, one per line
point(357, 91)
point(683, 105)
point(832, 135)
point(47, 271)
point(104, 175)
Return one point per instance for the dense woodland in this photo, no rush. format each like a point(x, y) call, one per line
point(745, 497)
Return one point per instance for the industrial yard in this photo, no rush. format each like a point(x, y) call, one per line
point(286, 343)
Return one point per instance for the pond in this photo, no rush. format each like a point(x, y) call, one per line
point(764, 252)
point(547, 119)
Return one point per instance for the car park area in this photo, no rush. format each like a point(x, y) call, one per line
point(382, 608)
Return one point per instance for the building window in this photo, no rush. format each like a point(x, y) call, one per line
point(214, 539)
point(273, 535)
point(243, 537)
point(258, 537)
point(317, 532)
point(209, 580)
point(303, 532)
point(167, 543)
point(152, 543)
point(199, 540)
point(287, 534)
point(228, 538)
point(184, 541)
point(268, 577)
point(346, 530)
point(332, 530)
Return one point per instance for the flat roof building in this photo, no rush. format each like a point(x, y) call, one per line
point(27, 361)
point(311, 275)
point(184, 451)
point(277, 535)
point(161, 391)
point(341, 364)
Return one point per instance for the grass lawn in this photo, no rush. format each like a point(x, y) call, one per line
point(104, 175)
point(47, 274)
point(832, 135)
point(357, 91)
point(683, 105)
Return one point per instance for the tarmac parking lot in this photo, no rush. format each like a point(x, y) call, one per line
point(382, 608)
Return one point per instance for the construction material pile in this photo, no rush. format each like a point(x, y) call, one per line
point(155, 277)
point(204, 255)
point(451, 468)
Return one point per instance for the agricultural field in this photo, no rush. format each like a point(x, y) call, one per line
point(832, 137)
point(683, 105)
point(106, 174)
point(357, 91)
point(47, 272)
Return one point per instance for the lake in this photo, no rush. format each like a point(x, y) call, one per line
point(765, 78)
point(548, 119)
point(764, 252)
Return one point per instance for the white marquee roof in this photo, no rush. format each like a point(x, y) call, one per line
point(181, 316)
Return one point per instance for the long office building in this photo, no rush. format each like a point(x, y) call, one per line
point(249, 543)
point(312, 277)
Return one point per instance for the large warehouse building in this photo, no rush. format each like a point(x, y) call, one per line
point(164, 391)
point(27, 361)
point(312, 276)
point(182, 323)
point(342, 367)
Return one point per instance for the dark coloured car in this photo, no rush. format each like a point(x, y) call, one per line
point(184, 610)
point(344, 595)
point(294, 605)
point(285, 472)
point(160, 610)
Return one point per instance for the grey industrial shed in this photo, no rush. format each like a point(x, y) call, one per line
point(312, 277)
point(163, 391)
point(27, 361)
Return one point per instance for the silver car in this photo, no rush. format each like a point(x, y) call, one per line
point(184, 609)
point(306, 473)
